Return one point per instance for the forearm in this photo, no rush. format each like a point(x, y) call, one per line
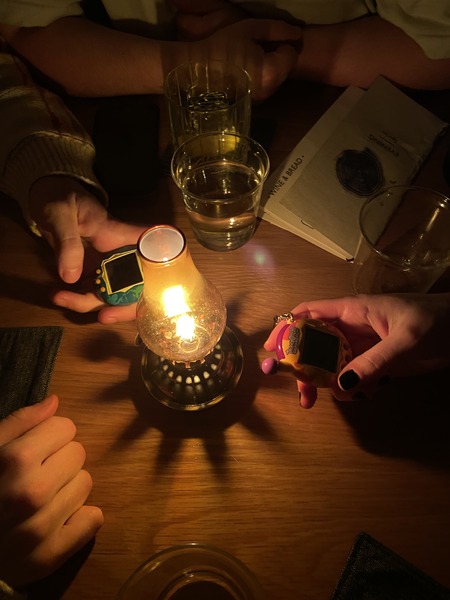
point(91, 60)
point(39, 136)
point(356, 52)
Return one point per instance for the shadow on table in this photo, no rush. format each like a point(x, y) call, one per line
point(209, 426)
point(408, 418)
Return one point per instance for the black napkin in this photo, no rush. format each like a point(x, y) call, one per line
point(27, 357)
point(374, 572)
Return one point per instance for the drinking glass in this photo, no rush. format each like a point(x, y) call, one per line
point(207, 96)
point(192, 572)
point(221, 176)
point(404, 243)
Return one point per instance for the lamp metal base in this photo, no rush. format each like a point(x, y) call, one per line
point(199, 385)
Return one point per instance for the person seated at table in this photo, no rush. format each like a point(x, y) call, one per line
point(133, 47)
point(345, 42)
point(390, 335)
point(342, 42)
point(44, 518)
point(46, 165)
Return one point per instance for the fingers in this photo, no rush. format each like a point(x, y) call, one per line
point(270, 343)
point(43, 488)
point(62, 232)
point(198, 25)
point(117, 314)
point(81, 303)
point(115, 234)
point(307, 394)
point(59, 468)
point(375, 364)
point(281, 43)
point(24, 419)
point(80, 528)
point(257, 45)
point(329, 309)
point(109, 235)
point(203, 17)
point(68, 215)
point(68, 500)
point(90, 302)
point(272, 30)
point(70, 257)
point(200, 6)
point(48, 437)
point(278, 63)
point(67, 241)
point(35, 465)
point(43, 542)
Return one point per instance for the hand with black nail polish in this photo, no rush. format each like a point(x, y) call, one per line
point(391, 336)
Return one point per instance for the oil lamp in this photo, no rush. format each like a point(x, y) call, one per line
point(191, 359)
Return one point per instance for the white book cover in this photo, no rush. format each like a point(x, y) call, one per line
point(367, 140)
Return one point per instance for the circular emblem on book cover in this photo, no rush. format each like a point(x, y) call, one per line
point(359, 171)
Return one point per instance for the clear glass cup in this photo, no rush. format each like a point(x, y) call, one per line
point(192, 572)
point(207, 96)
point(221, 176)
point(404, 243)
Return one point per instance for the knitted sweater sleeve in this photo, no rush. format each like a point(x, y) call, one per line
point(39, 136)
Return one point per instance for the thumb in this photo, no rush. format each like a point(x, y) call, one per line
point(24, 419)
point(68, 244)
point(370, 366)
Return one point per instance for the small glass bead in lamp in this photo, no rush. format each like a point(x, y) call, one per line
point(192, 359)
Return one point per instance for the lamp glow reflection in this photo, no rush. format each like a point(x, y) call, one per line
point(192, 359)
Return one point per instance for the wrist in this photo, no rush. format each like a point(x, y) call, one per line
point(178, 52)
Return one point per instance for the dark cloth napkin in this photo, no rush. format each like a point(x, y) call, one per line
point(374, 572)
point(27, 358)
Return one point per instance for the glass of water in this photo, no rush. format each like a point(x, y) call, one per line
point(221, 176)
point(207, 96)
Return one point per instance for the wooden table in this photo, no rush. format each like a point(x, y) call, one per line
point(283, 489)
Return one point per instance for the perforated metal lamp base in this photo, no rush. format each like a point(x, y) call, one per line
point(200, 385)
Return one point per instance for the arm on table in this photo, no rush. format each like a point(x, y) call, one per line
point(76, 53)
point(46, 165)
point(356, 52)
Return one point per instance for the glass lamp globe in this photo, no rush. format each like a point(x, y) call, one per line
point(191, 359)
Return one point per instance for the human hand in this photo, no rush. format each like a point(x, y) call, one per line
point(79, 228)
point(390, 336)
point(43, 490)
point(201, 18)
point(267, 49)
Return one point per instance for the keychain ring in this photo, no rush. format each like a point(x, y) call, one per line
point(289, 317)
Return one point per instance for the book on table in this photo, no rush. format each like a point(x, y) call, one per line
point(367, 140)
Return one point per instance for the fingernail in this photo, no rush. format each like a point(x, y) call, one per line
point(384, 380)
point(348, 380)
point(47, 400)
point(70, 275)
point(108, 320)
point(359, 396)
point(60, 302)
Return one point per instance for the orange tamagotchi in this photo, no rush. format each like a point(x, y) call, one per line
point(313, 350)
